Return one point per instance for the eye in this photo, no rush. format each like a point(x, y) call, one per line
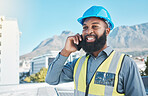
point(85, 27)
point(95, 27)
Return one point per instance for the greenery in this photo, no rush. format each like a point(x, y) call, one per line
point(23, 75)
point(142, 73)
point(38, 77)
point(146, 70)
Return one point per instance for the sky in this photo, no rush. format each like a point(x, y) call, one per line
point(42, 19)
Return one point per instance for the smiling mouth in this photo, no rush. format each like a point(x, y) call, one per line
point(90, 39)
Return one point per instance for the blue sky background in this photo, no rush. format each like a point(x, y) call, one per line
point(41, 19)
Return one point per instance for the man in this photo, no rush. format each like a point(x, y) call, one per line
point(102, 71)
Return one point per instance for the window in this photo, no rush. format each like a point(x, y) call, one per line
point(32, 66)
point(0, 26)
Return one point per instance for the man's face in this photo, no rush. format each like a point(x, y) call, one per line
point(94, 34)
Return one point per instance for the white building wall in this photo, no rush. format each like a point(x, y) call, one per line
point(37, 63)
point(46, 62)
point(9, 52)
point(0, 46)
point(43, 61)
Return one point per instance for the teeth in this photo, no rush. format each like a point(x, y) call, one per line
point(89, 38)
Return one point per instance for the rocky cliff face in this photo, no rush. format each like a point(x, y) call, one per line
point(123, 37)
point(55, 43)
point(129, 36)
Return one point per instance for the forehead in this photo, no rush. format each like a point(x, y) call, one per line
point(92, 20)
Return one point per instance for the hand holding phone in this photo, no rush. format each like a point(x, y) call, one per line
point(71, 46)
point(79, 46)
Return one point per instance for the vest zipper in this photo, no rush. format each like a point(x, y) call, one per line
point(86, 92)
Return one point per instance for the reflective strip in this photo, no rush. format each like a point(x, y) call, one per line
point(112, 69)
point(98, 89)
point(105, 65)
point(114, 63)
point(116, 78)
point(82, 76)
point(77, 69)
point(78, 93)
point(111, 65)
point(79, 73)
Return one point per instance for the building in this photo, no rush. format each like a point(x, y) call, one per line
point(9, 51)
point(42, 61)
point(24, 66)
point(140, 64)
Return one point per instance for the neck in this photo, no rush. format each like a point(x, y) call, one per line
point(95, 54)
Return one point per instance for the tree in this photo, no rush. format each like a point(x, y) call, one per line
point(146, 70)
point(38, 77)
point(142, 73)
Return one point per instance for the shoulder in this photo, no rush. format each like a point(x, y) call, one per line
point(129, 62)
point(75, 60)
point(72, 63)
point(128, 65)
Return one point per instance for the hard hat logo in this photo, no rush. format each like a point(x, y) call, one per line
point(97, 11)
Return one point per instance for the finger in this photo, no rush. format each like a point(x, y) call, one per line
point(74, 39)
point(77, 39)
point(79, 36)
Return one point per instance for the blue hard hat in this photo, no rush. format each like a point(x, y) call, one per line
point(97, 11)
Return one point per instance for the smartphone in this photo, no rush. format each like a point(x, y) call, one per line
point(79, 46)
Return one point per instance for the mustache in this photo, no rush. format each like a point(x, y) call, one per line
point(90, 35)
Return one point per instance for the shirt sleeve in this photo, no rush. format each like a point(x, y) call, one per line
point(130, 81)
point(58, 72)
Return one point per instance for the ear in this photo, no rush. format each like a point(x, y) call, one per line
point(107, 31)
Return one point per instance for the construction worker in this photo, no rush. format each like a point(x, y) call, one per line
point(102, 71)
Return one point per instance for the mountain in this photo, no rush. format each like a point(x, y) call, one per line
point(122, 38)
point(55, 43)
point(129, 36)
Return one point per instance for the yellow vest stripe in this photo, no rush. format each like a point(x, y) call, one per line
point(93, 88)
point(82, 76)
point(112, 69)
point(75, 69)
point(116, 77)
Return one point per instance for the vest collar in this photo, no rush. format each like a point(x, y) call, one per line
point(106, 51)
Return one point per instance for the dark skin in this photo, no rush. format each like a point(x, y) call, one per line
point(92, 25)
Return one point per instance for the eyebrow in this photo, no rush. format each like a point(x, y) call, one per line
point(93, 23)
point(96, 23)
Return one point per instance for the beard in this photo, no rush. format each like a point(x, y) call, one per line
point(98, 44)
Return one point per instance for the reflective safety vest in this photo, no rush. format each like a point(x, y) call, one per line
point(105, 79)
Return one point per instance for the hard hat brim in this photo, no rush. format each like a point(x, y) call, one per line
point(81, 20)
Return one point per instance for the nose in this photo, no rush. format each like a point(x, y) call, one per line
point(89, 31)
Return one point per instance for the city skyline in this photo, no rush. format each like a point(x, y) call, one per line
point(39, 20)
